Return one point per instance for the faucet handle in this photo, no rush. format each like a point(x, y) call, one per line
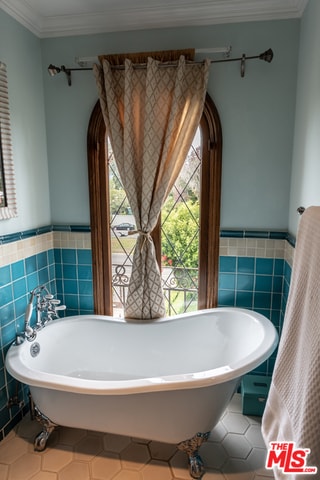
point(49, 296)
point(61, 307)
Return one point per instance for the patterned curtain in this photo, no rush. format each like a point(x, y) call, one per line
point(151, 115)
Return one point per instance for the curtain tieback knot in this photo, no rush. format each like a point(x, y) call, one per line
point(146, 236)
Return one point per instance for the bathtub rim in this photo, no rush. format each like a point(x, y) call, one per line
point(205, 378)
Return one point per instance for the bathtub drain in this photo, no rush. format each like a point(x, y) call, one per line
point(34, 349)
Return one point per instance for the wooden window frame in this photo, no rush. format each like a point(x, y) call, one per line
point(209, 215)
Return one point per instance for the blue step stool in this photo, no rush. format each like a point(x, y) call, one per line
point(254, 392)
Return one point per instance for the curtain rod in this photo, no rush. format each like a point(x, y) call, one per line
point(83, 61)
point(267, 56)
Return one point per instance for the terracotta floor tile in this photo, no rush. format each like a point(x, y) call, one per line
point(45, 476)
point(76, 471)
point(156, 470)
point(54, 459)
point(4, 469)
point(135, 456)
point(11, 450)
point(105, 466)
point(25, 467)
point(235, 451)
point(88, 447)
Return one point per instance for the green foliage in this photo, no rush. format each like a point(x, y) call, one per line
point(119, 204)
point(180, 234)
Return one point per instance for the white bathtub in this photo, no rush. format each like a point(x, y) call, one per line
point(163, 380)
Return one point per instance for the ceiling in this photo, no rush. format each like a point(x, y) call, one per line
point(56, 18)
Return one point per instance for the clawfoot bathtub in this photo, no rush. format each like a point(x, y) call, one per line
point(167, 380)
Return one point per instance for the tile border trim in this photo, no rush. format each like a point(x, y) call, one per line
point(241, 243)
point(263, 234)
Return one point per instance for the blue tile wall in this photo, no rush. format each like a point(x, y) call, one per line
point(261, 284)
point(74, 280)
point(16, 281)
point(254, 283)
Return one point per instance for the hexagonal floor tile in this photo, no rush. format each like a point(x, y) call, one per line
point(213, 455)
point(236, 446)
point(179, 466)
point(234, 450)
point(88, 447)
point(235, 423)
point(45, 476)
point(254, 420)
point(105, 466)
point(115, 443)
point(25, 467)
point(135, 456)
point(237, 468)
point(156, 470)
point(162, 451)
point(12, 448)
point(257, 460)
point(54, 459)
point(3, 470)
point(75, 470)
point(70, 436)
point(127, 475)
point(235, 405)
point(254, 436)
point(218, 433)
point(213, 475)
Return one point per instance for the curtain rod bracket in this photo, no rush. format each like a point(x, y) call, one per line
point(243, 65)
point(267, 56)
point(67, 71)
point(53, 70)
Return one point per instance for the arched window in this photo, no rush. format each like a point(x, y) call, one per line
point(189, 264)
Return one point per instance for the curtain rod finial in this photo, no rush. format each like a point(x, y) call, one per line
point(267, 56)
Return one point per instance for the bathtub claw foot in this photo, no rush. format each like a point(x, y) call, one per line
point(40, 442)
point(196, 466)
point(190, 447)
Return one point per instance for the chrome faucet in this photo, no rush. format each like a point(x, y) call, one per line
point(49, 305)
point(46, 304)
point(29, 332)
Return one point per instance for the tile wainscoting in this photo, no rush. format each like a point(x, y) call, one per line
point(255, 270)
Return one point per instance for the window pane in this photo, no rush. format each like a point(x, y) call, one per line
point(180, 230)
point(122, 243)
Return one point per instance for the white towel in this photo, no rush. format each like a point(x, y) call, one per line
point(292, 412)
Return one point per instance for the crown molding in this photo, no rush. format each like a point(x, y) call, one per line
point(159, 14)
point(23, 14)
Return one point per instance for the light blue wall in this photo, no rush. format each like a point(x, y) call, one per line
point(257, 115)
point(305, 184)
point(20, 50)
